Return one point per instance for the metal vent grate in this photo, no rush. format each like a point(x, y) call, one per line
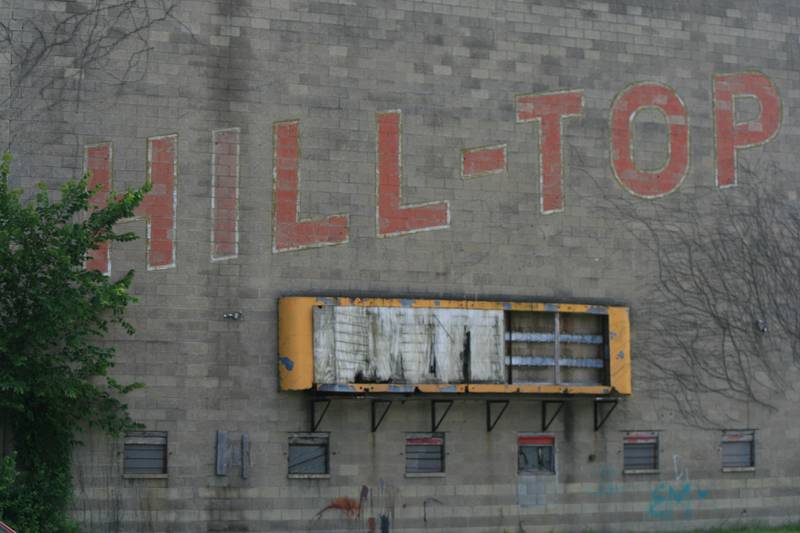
point(145, 453)
point(640, 451)
point(737, 449)
point(425, 453)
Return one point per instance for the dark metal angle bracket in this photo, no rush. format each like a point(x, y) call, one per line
point(490, 424)
point(375, 420)
point(547, 421)
point(437, 421)
point(598, 421)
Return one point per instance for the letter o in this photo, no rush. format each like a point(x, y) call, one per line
point(649, 184)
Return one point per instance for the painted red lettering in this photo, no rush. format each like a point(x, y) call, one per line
point(289, 232)
point(549, 109)
point(97, 161)
point(225, 194)
point(731, 136)
point(393, 218)
point(649, 184)
point(158, 207)
point(482, 161)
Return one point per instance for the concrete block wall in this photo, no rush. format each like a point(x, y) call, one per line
point(330, 108)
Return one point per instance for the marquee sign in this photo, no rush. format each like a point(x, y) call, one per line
point(380, 345)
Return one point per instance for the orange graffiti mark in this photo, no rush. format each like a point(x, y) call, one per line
point(350, 507)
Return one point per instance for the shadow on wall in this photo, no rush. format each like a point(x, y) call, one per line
point(372, 511)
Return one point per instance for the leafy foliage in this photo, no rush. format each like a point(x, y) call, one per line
point(53, 372)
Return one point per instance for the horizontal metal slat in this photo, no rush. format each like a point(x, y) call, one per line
point(640, 456)
point(135, 471)
point(144, 454)
point(149, 464)
point(737, 454)
point(424, 451)
point(648, 464)
point(144, 459)
point(550, 361)
point(522, 336)
point(433, 468)
point(567, 338)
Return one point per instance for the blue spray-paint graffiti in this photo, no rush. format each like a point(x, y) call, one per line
point(668, 502)
point(605, 484)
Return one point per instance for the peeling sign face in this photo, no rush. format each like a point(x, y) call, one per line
point(407, 345)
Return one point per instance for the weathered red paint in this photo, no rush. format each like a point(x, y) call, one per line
point(738, 436)
point(225, 195)
point(158, 207)
point(649, 184)
point(98, 163)
point(393, 218)
point(549, 110)
point(290, 232)
point(535, 440)
point(638, 438)
point(481, 161)
point(731, 136)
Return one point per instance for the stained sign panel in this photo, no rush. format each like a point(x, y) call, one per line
point(399, 345)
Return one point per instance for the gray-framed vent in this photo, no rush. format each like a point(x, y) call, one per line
point(145, 453)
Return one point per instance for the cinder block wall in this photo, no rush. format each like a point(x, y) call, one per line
point(453, 72)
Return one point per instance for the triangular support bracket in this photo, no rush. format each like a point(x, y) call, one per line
point(545, 420)
point(492, 422)
point(436, 421)
point(317, 420)
point(377, 414)
point(598, 419)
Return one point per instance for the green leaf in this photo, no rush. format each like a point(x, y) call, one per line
point(53, 364)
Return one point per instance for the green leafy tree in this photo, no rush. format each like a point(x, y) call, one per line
point(53, 370)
